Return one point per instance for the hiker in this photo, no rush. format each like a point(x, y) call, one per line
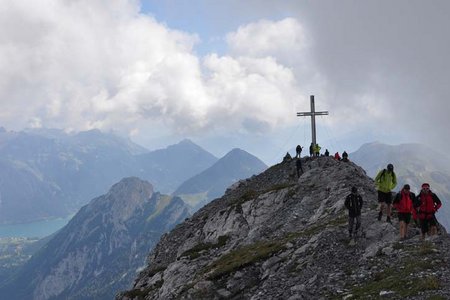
point(317, 150)
point(428, 204)
point(385, 181)
point(298, 164)
point(404, 203)
point(344, 156)
point(287, 157)
point(327, 153)
point(353, 202)
point(298, 149)
point(337, 156)
point(311, 150)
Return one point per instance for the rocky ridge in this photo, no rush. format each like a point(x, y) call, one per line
point(101, 248)
point(274, 236)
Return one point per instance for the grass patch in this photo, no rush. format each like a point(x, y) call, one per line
point(436, 297)
point(312, 230)
point(247, 196)
point(194, 199)
point(426, 248)
point(162, 203)
point(429, 283)
point(253, 194)
point(154, 271)
point(195, 251)
point(136, 294)
point(279, 186)
point(398, 246)
point(141, 294)
point(250, 254)
point(339, 220)
point(399, 280)
point(304, 233)
point(291, 193)
point(242, 257)
point(157, 285)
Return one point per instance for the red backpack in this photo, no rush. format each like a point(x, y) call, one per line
point(405, 203)
point(429, 204)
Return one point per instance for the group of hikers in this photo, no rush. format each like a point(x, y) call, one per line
point(314, 151)
point(421, 208)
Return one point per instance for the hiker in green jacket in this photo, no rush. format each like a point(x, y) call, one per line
point(385, 181)
point(317, 150)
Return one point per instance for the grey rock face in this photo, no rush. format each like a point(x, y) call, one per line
point(276, 236)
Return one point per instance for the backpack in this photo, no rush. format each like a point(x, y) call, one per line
point(404, 205)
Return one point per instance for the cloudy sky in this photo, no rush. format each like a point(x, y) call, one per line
point(229, 73)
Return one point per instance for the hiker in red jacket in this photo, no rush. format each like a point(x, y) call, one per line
point(337, 156)
point(404, 203)
point(429, 204)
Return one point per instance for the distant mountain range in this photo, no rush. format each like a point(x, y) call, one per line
point(414, 164)
point(49, 173)
point(99, 252)
point(103, 245)
point(212, 182)
point(101, 248)
point(168, 168)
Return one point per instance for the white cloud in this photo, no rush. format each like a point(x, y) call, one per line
point(281, 39)
point(102, 64)
point(90, 63)
point(84, 64)
point(257, 93)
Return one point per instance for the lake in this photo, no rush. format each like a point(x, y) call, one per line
point(35, 229)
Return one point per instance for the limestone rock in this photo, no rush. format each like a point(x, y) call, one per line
point(276, 236)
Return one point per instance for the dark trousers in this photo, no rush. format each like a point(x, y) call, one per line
point(299, 167)
point(425, 224)
point(354, 221)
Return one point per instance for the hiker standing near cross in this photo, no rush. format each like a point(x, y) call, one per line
point(313, 113)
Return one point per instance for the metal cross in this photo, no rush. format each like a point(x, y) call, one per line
point(313, 113)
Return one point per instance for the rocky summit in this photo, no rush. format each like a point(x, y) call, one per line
point(276, 236)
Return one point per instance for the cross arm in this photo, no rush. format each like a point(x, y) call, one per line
point(308, 114)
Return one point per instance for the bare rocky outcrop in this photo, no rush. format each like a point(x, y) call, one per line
point(276, 236)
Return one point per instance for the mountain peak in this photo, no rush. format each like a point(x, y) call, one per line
point(186, 142)
point(91, 133)
point(131, 183)
point(212, 182)
point(237, 151)
point(276, 236)
point(238, 156)
point(124, 198)
point(260, 223)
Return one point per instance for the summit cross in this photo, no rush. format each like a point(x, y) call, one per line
point(313, 113)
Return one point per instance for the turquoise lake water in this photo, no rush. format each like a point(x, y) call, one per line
point(35, 229)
